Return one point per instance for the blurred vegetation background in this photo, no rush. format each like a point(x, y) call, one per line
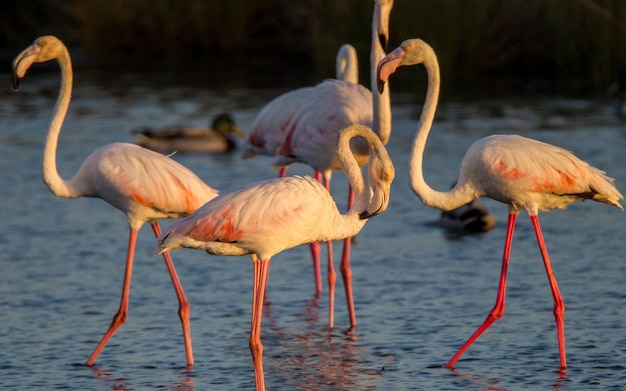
point(519, 46)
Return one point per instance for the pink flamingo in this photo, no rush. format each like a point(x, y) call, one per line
point(311, 134)
point(524, 173)
point(265, 218)
point(143, 184)
point(347, 64)
point(268, 130)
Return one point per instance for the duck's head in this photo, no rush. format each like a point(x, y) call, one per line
point(225, 124)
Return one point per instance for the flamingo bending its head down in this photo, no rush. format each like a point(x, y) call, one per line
point(269, 129)
point(265, 218)
point(312, 131)
point(143, 184)
point(524, 173)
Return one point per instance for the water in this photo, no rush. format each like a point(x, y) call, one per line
point(419, 292)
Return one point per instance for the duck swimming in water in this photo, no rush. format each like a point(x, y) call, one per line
point(219, 138)
point(467, 219)
point(470, 218)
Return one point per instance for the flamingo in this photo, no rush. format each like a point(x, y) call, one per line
point(143, 184)
point(265, 218)
point(311, 134)
point(268, 130)
point(219, 138)
point(524, 173)
point(347, 64)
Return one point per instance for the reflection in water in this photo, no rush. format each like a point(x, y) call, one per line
point(317, 361)
point(186, 383)
point(476, 381)
point(309, 356)
point(473, 381)
point(107, 378)
point(561, 380)
point(416, 288)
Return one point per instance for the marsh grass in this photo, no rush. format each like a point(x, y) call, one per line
point(573, 45)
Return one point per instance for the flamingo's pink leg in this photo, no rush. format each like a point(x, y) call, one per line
point(261, 270)
point(346, 270)
point(559, 305)
point(183, 303)
point(122, 313)
point(282, 172)
point(314, 247)
point(332, 275)
point(498, 309)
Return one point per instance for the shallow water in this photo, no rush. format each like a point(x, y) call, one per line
point(419, 291)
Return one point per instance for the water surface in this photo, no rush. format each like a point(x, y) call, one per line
point(419, 292)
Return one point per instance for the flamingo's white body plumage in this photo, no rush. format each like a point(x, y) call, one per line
point(143, 184)
point(524, 173)
point(265, 218)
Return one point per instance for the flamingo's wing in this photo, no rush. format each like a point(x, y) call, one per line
point(313, 130)
point(270, 126)
point(124, 174)
point(279, 213)
point(538, 168)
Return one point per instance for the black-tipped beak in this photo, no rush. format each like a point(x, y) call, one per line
point(15, 72)
point(383, 40)
point(366, 215)
point(15, 80)
point(381, 85)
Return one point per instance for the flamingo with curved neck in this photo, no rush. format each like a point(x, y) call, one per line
point(312, 131)
point(268, 130)
point(524, 173)
point(347, 64)
point(143, 184)
point(265, 218)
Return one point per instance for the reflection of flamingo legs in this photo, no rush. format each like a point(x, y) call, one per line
point(143, 184)
point(524, 173)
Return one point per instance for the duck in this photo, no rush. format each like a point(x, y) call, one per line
point(471, 218)
point(468, 219)
point(190, 139)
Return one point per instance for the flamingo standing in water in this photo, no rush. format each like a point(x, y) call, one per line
point(311, 134)
point(265, 218)
point(268, 130)
point(524, 173)
point(143, 184)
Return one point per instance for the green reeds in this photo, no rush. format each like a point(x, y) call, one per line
point(571, 44)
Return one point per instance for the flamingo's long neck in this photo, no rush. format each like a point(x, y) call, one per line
point(382, 102)
point(356, 177)
point(51, 177)
point(347, 67)
point(371, 192)
point(430, 197)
